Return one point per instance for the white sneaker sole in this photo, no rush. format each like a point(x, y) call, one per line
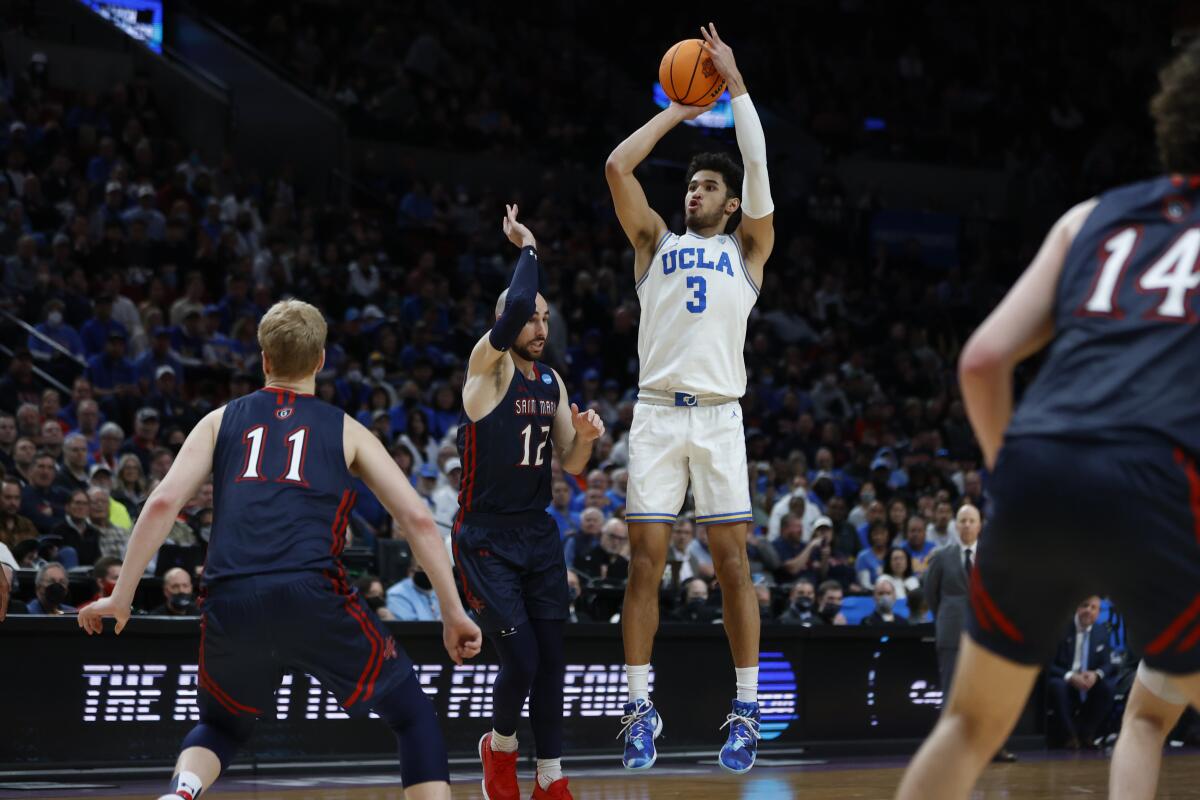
point(658, 728)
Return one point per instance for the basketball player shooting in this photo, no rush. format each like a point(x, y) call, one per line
point(507, 547)
point(1096, 467)
point(696, 291)
point(275, 593)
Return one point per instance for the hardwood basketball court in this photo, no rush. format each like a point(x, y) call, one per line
point(1035, 777)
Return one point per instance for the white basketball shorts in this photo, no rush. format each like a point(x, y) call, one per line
point(1159, 684)
point(668, 445)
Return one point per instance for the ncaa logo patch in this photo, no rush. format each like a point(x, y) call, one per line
point(284, 413)
point(546, 379)
point(1176, 208)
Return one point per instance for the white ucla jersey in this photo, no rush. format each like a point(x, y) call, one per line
point(696, 297)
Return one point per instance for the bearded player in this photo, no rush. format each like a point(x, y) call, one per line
point(696, 291)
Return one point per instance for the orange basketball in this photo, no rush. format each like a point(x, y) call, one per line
point(688, 75)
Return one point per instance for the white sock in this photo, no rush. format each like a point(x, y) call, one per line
point(548, 771)
point(504, 744)
point(747, 684)
point(639, 681)
point(187, 784)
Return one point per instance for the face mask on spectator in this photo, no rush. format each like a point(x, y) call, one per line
point(804, 604)
point(886, 603)
point(831, 610)
point(378, 372)
point(54, 318)
point(56, 594)
point(354, 376)
point(422, 581)
point(181, 601)
point(867, 498)
point(376, 603)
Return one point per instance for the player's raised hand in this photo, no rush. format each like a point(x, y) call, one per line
point(588, 425)
point(91, 618)
point(690, 112)
point(462, 638)
point(722, 56)
point(517, 233)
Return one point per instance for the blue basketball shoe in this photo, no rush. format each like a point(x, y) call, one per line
point(642, 726)
point(741, 748)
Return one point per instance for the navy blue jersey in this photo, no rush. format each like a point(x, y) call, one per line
point(506, 455)
point(1123, 363)
point(282, 493)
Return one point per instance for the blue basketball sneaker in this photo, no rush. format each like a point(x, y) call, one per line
point(642, 726)
point(741, 748)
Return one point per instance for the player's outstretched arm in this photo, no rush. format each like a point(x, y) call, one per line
point(488, 372)
point(757, 229)
point(642, 225)
point(1020, 326)
point(574, 432)
point(188, 473)
point(368, 459)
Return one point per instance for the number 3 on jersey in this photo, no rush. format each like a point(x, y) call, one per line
point(528, 456)
point(297, 445)
point(699, 288)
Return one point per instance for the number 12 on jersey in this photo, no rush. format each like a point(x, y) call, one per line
point(530, 457)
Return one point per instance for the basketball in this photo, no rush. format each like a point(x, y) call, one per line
point(688, 75)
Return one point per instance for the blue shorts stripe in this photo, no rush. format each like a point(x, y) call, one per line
point(736, 516)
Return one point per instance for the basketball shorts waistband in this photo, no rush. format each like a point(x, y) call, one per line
point(655, 397)
point(519, 520)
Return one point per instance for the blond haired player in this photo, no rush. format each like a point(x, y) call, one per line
point(696, 291)
point(283, 465)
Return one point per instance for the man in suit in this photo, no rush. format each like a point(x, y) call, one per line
point(947, 589)
point(1079, 681)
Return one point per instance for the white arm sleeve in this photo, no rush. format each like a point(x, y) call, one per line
point(756, 186)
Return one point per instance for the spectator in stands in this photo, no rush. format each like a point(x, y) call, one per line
point(942, 531)
point(679, 568)
point(112, 375)
point(18, 385)
point(24, 451)
point(8, 584)
point(129, 483)
point(897, 523)
point(54, 329)
point(87, 425)
point(794, 502)
point(1080, 684)
point(802, 605)
point(157, 356)
point(883, 614)
point(762, 556)
point(95, 331)
point(14, 528)
point(114, 539)
point(145, 436)
point(41, 501)
point(76, 530)
point(898, 571)
point(695, 607)
point(598, 482)
point(580, 544)
point(843, 537)
point(794, 555)
point(29, 421)
point(51, 440)
point(917, 545)
point(445, 496)
point(178, 600)
point(560, 509)
point(609, 563)
point(8, 438)
point(370, 588)
point(74, 471)
point(829, 603)
point(105, 572)
point(699, 556)
point(413, 599)
point(53, 591)
point(112, 436)
point(869, 564)
point(918, 609)
point(574, 594)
